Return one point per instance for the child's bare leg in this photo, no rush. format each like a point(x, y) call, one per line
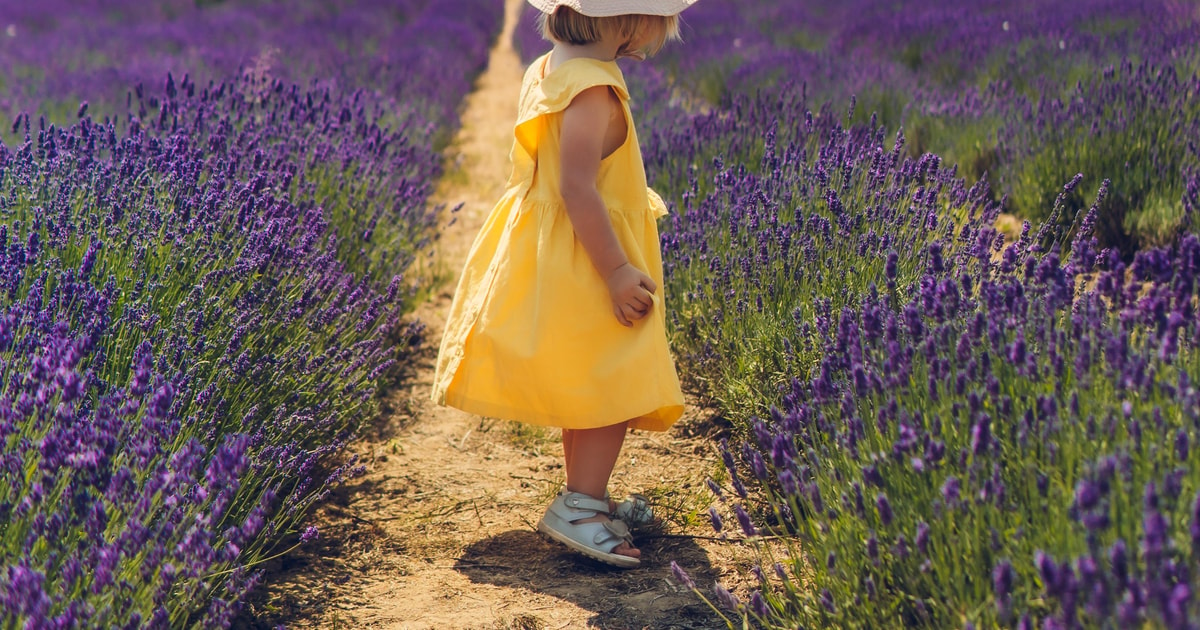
point(568, 439)
point(590, 456)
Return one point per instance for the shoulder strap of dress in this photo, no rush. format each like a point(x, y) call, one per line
point(573, 76)
point(555, 91)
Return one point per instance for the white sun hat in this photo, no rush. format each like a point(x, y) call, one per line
point(608, 8)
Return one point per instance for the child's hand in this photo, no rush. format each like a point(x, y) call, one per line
point(632, 293)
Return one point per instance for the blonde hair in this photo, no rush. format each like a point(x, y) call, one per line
point(568, 26)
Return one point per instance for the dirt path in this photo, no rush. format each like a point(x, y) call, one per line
point(440, 532)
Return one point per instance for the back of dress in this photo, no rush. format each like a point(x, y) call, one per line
point(531, 334)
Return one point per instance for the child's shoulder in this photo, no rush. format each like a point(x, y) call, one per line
point(574, 75)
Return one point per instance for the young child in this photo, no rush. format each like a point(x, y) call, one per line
point(558, 317)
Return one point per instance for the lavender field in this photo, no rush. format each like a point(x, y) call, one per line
point(215, 224)
point(948, 425)
point(214, 219)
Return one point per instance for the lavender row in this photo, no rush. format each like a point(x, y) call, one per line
point(945, 398)
point(1022, 94)
point(955, 431)
point(1136, 123)
point(182, 353)
point(203, 294)
point(102, 49)
point(1009, 447)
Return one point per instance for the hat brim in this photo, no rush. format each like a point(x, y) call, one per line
point(609, 8)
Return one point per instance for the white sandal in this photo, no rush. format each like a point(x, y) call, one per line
point(596, 539)
point(635, 511)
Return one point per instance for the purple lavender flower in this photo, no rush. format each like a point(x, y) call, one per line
point(885, 509)
point(860, 507)
point(25, 593)
point(787, 482)
point(758, 606)
point(1118, 558)
point(757, 466)
point(981, 434)
point(1087, 495)
point(922, 537)
point(1177, 605)
point(682, 577)
point(1049, 572)
point(1129, 611)
point(781, 452)
point(872, 476)
point(745, 522)
point(951, 490)
point(726, 599)
point(715, 519)
point(1154, 533)
point(814, 496)
point(1003, 577)
point(827, 601)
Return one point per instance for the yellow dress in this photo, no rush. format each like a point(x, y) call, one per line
point(531, 335)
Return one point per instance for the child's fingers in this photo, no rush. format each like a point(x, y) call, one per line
point(649, 285)
point(620, 314)
point(639, 305)
point(649, 299)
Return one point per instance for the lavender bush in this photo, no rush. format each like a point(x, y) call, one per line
point(747, 255)
point(182, 352)
point(203, 289)
point(1138, 122)
point(1007, 448)
point(1019, 93)
point(379, 152)
point(394, 49)
point(946, 396)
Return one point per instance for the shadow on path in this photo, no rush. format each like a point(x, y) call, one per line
point(646, 597)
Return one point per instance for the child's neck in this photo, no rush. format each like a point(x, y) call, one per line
point(602, 50)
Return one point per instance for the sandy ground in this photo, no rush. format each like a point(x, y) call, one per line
point(441, 531)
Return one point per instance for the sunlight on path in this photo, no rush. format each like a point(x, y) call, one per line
point(477, 165)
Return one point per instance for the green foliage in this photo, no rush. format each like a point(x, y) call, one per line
point(1018, 496)
point(969, 142)
point(1139, 143)
point(787, 243)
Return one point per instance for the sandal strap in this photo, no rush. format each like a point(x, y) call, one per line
point(581, 501)
point(617, 528)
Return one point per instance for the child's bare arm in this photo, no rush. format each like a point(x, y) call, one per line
point(585, 122)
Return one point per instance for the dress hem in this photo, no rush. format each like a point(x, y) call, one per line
point(660, 418)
